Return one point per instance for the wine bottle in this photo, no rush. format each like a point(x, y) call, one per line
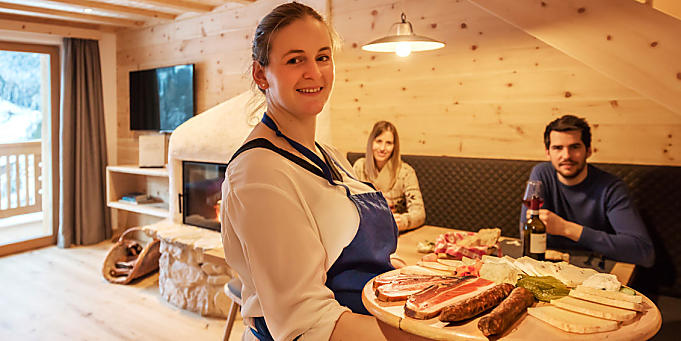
point(534, 237)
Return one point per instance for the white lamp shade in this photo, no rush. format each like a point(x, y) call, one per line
point(390, 43)
point(403, 40)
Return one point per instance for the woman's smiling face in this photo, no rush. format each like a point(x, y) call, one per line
point(300, 73)
point(383, 146)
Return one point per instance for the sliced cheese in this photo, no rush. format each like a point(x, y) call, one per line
point(452, 263)
point(440, 268)
point(571, 275)
point(594, 309)
point(523, 265)
point(602, 281)
point(615, 295)
point(419, 270)
point(534, 267)
point(606, 301)
point(567, 273)
point(499, 273)
point(572, 322)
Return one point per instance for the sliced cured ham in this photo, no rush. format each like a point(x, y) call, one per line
point(389, 278)
point(429, 303)
point(390, 288)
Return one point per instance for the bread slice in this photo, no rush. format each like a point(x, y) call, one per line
point(572, 322)
point(594, 309)
point(606, 301)
point(615, 295)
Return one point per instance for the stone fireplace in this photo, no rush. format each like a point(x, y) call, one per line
point(203, 145)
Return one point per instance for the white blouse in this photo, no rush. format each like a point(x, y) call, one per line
point(283, 227)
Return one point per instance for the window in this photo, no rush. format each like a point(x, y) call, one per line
point(29, 106)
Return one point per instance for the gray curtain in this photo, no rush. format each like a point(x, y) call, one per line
point(83, 215)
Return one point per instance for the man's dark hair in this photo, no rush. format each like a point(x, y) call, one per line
point(568, 123)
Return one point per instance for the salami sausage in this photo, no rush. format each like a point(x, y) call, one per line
point(477, 304)
point(507, 312)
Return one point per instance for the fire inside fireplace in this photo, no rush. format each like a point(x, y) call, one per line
point(201, 184)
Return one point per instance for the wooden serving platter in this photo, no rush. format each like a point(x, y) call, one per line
point(642, 327)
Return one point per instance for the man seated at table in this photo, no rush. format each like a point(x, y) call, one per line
point(584, 206)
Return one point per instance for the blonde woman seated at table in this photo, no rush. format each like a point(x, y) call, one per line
point(384, 168)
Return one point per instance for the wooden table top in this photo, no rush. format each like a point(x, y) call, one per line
point(406, 249)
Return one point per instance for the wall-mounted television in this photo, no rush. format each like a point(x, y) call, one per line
point(161, 99)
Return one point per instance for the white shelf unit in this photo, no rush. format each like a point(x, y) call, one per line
point(124, 179)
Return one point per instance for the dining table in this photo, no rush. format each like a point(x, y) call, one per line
point(644, 326)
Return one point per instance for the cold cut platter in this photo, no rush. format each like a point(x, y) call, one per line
point(403, 302)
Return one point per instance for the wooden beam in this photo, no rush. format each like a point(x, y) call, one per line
point(180, 4)
point(629, 42)
point(118, 8)
point(67, 14)
point(18, 18)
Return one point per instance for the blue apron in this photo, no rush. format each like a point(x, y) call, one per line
point(367, 255)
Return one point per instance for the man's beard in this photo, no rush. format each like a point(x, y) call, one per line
point(575, 174)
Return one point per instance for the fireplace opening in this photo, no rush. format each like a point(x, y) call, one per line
point(202, 184)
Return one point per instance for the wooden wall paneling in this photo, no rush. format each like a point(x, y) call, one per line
point(218, 43)
point(671, 7)
point(153, 54)
point(51, 27)
point(493, 100)
point(553, 85)
point(644, 144)
point(630, 42)
point(461, 93)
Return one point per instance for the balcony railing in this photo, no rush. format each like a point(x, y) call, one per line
point(20, 178)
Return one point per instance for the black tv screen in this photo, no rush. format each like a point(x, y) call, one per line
point(161, 99)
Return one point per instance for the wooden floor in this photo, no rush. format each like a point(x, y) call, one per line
point(60, 294)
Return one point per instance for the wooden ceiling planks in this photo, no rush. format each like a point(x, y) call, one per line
point(69, 15)
point(109, 14)
point(113, 8)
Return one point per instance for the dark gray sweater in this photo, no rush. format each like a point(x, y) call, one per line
point(601, 204)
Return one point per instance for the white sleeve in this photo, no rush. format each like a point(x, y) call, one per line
point(284, 253)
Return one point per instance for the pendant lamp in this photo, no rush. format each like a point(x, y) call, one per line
point(402, 40)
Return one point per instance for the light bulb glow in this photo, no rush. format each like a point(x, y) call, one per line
point(403, 49)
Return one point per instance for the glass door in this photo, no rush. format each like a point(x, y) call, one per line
point(29, 102)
